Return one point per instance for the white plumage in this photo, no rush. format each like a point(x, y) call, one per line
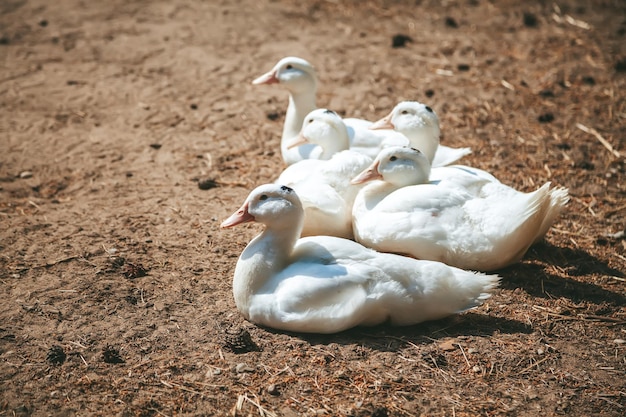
point(463, 219)
point(326, 284)
point(420, 125)
point(300, 79)
point(324, 184)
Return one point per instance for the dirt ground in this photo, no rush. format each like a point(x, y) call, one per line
point(130, 129)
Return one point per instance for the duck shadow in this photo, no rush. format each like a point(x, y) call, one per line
point(536, 281)
point(385, 337)
point(576, 261)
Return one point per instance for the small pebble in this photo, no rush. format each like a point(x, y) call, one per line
point(589, 80)
point(620, 66)
point(472, 350)
point(463, 67)
point(56, 355)
point(451, 23)
point(476, 369)
point(540, 351)
point(155, 145)
point(26, 174)
point(243, 367)
point(193, 106)
point(111, 354)
point(447, 346)
point(43, 23)
point(272, 389)
point(207, 184)
point(400, 40)
point(619, 341)
point(429, 93)
point(530, 20)
point(546, 118)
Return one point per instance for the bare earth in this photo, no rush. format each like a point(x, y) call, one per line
point(116, 277)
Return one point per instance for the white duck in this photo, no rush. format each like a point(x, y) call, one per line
point(300, 78)
point(474, 224)
point(325, 284)
point(420, 124)
point(324, 184)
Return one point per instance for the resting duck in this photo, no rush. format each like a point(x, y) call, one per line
point(300, 79)
point(463, 220)
point(324, 184)
point(325, 284)
point(420, 124)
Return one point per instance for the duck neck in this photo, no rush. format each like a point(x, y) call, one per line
point(424, 140)
point(265, 256)
point(340, 142)
point(301, 103)
point(373, 193)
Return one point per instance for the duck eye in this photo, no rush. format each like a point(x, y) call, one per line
point(429, 109)
point(263, 197)
point(404, 112)
point(310, 120)
point(289, 66)
point(393, 158)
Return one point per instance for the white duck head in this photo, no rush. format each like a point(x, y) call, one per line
point(297, 74)
point(326, 129)
point(276, 206)
point(397, 165)
point(418, 122)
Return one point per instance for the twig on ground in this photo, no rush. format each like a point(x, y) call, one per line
point(598, 136)
point(244, 398)
point(528, 368)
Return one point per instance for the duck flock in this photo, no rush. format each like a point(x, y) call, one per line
point(370, 222)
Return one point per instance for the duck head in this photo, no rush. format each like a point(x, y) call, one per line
point(275, 206)
point(324, 128)
point(398, 165)
point(297, 74)
point(418, 122)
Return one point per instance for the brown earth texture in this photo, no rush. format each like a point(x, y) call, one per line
point(130, 130)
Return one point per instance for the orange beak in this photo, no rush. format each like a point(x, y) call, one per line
point(238, 217)
point(268, 78)
point(384, 123)
point(369, 174)
point(298, 141)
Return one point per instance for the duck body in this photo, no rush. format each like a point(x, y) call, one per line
point(325, 284)
point(300, 79)
point(323, 185)
point(327, 195)
point(464, 220)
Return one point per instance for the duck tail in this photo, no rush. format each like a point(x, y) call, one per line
point(559, 197)
point(529, 209)
point(475, 288)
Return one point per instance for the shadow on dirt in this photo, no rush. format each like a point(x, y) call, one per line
point(388, 338)
point(536, 281)
point(575, 262)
